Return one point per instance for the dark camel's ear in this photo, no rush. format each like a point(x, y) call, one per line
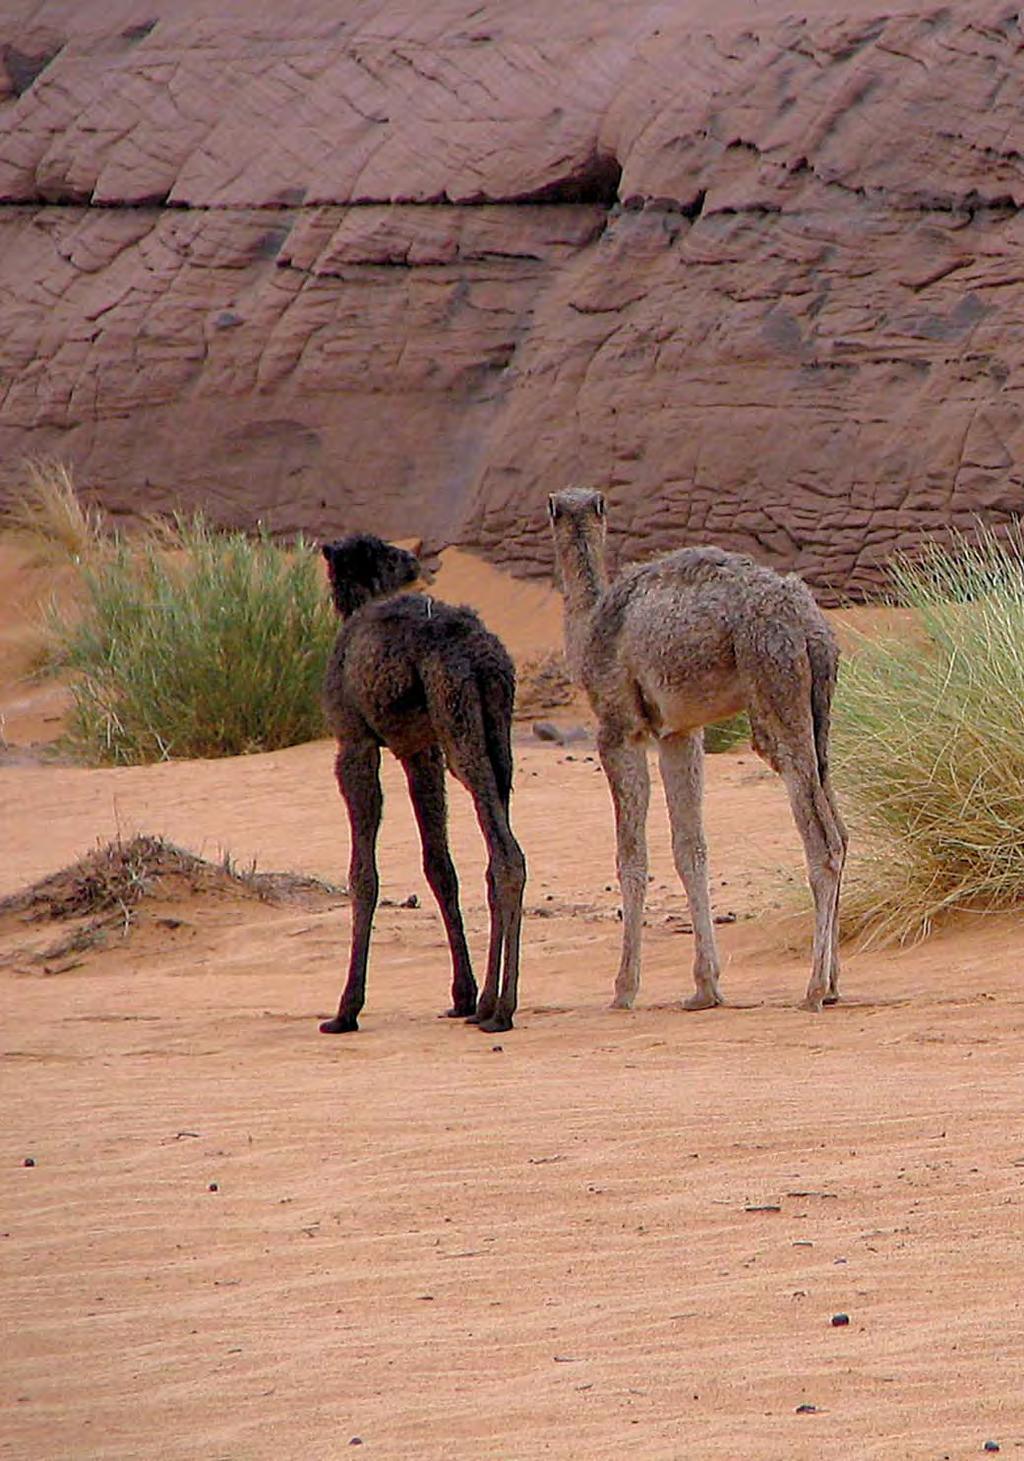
point(395, 567)
point(553, 507)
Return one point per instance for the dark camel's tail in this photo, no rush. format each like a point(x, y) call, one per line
point(824, 658)
point(496, 697)
point(470, 708)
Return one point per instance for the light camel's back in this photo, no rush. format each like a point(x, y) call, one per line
point(670, 640)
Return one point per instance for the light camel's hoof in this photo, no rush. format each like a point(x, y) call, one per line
point(703, 1000)
point(812, 1002)
point(622, 1002)
point(831, 998)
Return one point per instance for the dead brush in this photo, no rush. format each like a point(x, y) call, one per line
point(102, 893)
point(50, 517)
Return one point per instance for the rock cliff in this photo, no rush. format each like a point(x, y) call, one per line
point(410, 267)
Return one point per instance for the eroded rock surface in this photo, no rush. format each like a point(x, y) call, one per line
point(411, 267)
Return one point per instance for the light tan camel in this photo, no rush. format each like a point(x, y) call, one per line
point(667, 648)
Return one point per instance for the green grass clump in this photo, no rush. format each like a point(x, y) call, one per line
point(195, 643)
point(726, 735)
point(929, 745)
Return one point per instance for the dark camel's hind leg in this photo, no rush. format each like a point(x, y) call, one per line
point(425, 774)
point(357, 769)
point(506, 879)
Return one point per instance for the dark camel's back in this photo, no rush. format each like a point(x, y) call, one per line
point(416, 672)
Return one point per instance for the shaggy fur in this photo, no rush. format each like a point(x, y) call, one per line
point(435, 687)
point(672, 645)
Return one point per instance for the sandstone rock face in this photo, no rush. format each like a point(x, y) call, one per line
point(410, 267)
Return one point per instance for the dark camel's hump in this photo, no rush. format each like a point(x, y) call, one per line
point(387, 649)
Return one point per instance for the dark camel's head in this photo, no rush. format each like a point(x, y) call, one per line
point(578, 522)
point(363, 567)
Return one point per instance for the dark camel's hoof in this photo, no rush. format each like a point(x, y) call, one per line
point(339, 1025)
point(461, 1012)
point(495, 1024)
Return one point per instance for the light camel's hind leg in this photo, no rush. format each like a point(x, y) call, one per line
point(788, 747)
point(625, 765)
point(682, 772)
point(832, 997)
point(824, 854)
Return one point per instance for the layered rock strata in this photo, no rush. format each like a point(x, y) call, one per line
point(411, 267)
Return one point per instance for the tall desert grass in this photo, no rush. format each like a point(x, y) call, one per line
point(50, 517)
point(929, 745)
point(195, 643)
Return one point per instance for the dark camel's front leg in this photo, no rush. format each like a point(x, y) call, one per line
point(357, 769)
point(425, 775)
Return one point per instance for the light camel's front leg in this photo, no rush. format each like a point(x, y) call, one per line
point(625, 765)
point(682, 772)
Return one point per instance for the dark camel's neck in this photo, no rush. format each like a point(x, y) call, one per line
point(584, 580)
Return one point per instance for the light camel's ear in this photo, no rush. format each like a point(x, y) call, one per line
point(553, 507)
point(599, 504)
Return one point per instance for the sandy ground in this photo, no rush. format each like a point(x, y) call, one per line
point(603, 1233)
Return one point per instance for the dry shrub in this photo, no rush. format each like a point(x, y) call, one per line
point(50, 516)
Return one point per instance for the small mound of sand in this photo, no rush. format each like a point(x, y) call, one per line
point(101, 892)
point(116, 877)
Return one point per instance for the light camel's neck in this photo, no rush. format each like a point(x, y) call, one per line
point(584, 579)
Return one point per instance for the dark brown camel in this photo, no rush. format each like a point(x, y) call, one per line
point(429, 682)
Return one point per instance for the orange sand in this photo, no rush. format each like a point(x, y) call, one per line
point(559, 1243)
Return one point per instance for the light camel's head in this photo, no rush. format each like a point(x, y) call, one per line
point(363, 567)
point(578, 521)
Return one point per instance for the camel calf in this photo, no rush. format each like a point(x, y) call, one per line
point(435, 687)
point(667, 648)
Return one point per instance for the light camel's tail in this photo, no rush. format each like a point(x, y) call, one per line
point(824, 658)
